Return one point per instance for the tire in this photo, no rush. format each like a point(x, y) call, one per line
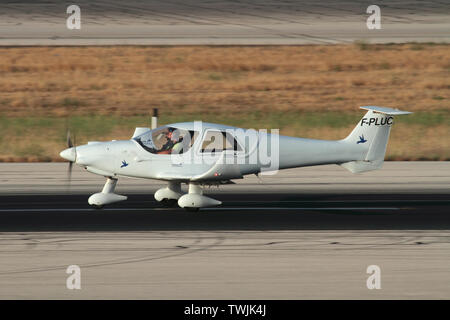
point(169, 203)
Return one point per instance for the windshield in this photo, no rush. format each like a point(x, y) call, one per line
point(167, 140)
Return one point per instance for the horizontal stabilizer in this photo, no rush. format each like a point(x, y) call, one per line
point(384, 110)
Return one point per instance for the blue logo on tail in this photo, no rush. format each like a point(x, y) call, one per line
point(124, 164)
point(361, 139)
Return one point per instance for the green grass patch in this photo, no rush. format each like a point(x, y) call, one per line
point(102, 125)
point(215, 76)
point(32, 150)
point(40, 137)
point(72, 102)
point(424, 118)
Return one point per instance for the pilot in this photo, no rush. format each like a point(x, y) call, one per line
point(173, 144)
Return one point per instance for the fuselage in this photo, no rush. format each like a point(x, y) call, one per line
point(257, 151)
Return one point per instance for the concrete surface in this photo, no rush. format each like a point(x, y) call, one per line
point(226, 265)
point(399, 176)
point(306, 233)
point(219, 22)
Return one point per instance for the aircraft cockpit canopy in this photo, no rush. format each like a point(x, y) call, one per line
point(167, 140)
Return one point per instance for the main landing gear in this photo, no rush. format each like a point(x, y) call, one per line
point(169, 195)
point(191, 201)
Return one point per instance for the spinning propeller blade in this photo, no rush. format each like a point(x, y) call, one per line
point(69, 140)
point(71, 145)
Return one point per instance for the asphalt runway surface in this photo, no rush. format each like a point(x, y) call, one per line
point(222, 22)
point(278, 211)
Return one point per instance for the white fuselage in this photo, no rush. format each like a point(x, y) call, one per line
point(128, 158)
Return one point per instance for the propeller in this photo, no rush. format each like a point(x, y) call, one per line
point(71, 145)
point(69, 140)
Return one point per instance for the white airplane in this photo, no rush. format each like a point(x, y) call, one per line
point(199, 154)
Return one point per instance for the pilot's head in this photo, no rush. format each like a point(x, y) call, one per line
point(169, 133)
point(173, 134)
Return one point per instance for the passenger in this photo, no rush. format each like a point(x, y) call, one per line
point(178, 146)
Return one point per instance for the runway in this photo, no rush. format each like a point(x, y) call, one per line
point(279, 211)
point(307, 233)
point(221, 22)
point(281, 246)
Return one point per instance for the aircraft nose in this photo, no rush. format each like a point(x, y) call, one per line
point(68, 154)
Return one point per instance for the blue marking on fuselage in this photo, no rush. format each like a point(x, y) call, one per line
point(361, 140)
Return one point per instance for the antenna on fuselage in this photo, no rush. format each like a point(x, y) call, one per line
point(155, 118)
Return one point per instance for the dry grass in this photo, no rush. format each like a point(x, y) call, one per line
point(132, 80)
point(222, 81)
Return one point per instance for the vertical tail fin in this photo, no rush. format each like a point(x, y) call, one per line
point(371, 135)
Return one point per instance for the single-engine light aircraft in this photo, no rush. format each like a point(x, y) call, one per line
point(199, 154)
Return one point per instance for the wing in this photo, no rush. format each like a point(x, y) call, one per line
point(219, 171)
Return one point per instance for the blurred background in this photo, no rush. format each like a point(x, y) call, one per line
point(299, 66)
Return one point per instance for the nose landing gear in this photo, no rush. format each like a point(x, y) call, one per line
point(107, 196)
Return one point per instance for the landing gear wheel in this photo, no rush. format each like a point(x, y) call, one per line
point(98, 207)
point(170, 203)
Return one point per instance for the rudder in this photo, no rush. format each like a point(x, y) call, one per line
point(373, 133)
